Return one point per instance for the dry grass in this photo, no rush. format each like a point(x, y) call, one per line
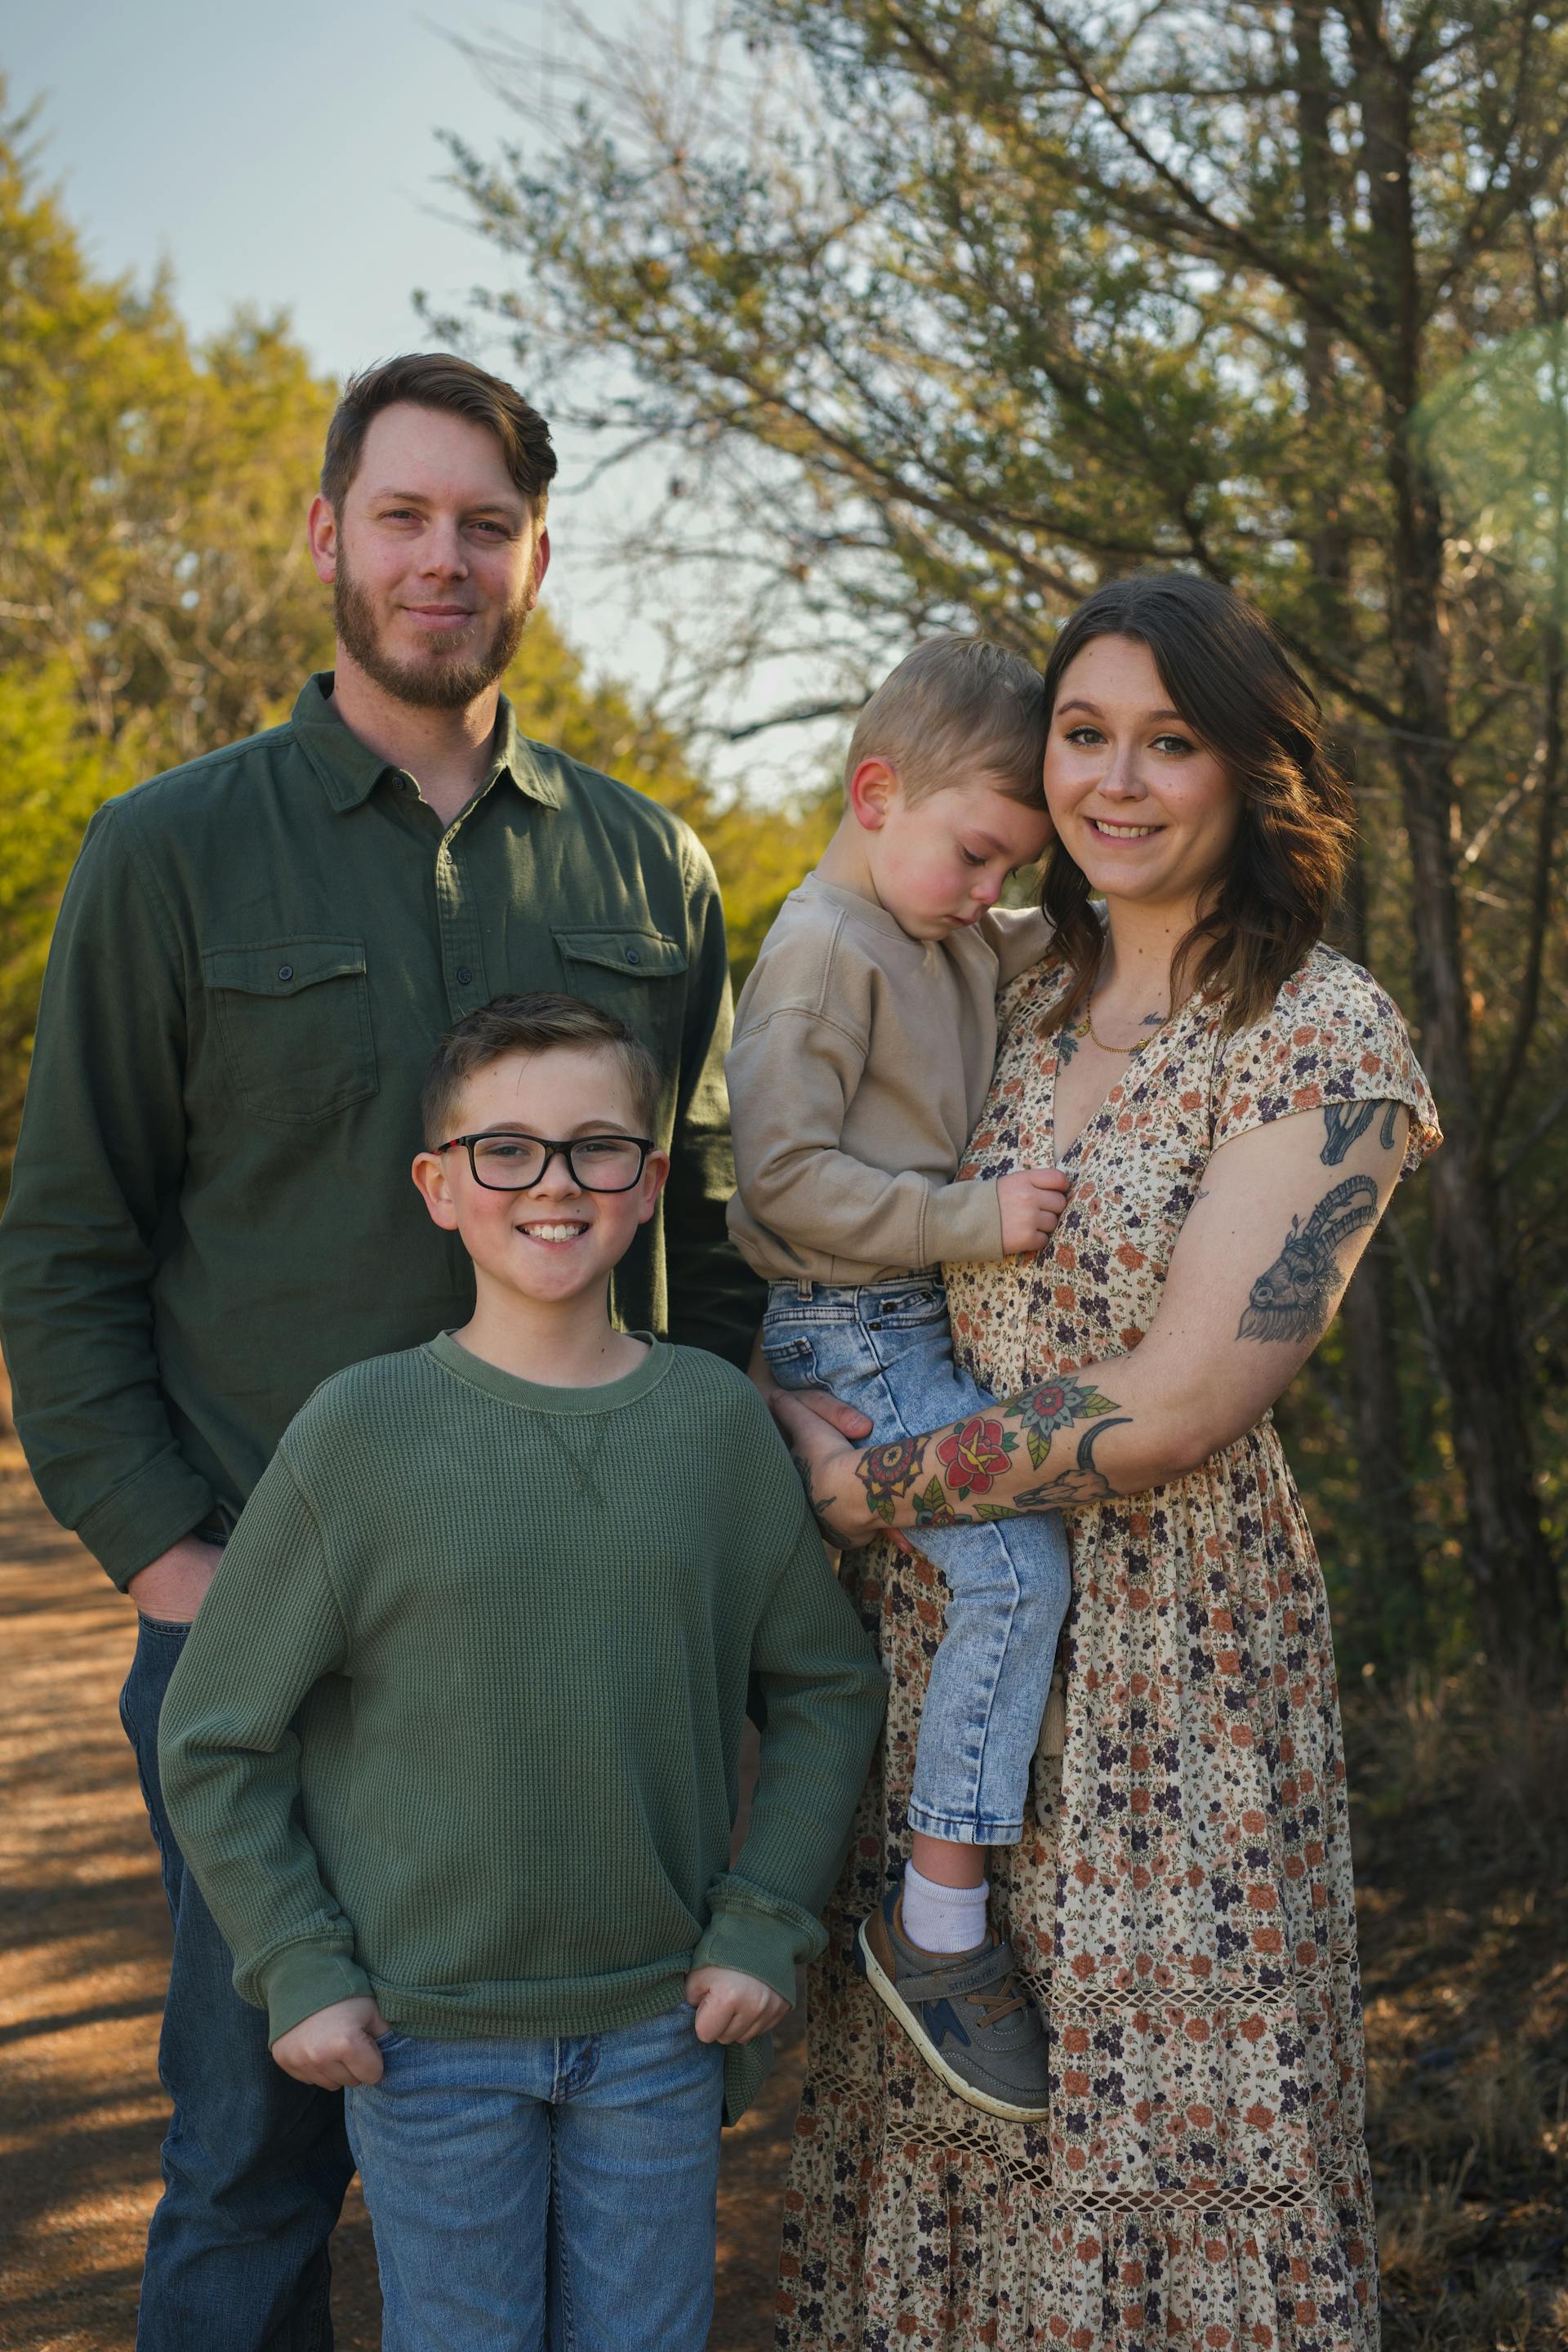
point(1461, 1821)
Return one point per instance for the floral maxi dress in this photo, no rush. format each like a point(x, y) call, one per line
point(1182, 1903)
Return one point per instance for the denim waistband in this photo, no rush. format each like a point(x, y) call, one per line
point(849, 1294)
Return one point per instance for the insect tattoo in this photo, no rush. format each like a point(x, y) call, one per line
point(1293, 1299)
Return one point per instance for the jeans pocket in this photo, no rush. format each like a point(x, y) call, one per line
point(906, 1310)
point(791, 1361)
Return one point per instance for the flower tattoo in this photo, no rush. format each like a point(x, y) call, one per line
point(933, 1509)
point(975, 1454)
point(888, 1471)
point(1056, 1404)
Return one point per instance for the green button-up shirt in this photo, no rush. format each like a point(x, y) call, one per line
point(211, 1209)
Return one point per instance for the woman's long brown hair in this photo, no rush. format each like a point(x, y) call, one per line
point(1229, 676)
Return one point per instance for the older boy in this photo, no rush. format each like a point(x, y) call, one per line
point(452, 1749)
point(864, 1045)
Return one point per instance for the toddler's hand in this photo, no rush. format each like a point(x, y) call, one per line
point(334, 2047)
point(732, 2007)
point(1032, 1200)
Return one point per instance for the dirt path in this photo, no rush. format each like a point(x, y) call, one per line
point(83, 1959)
point(1462, 1839)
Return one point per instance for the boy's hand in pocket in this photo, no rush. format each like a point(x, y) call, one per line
point(730, 2006)
point(334, 2047)
point(1032, 1202)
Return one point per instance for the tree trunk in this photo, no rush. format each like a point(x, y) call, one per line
point(1478, 1336)
point(1389, 1605)
point(1391, 1611)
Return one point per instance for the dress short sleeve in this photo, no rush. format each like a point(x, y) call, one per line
point(1332, 1035)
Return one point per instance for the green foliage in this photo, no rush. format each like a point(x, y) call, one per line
point(54, 772)
point(153, 493)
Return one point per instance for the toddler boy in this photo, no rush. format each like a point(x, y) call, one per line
point(452, 1750)
point(864, 1045)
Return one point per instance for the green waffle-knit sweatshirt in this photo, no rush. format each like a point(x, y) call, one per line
point(459, 1722)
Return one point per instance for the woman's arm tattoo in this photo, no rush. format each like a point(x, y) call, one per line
point(1082, 1483)
point(1346, 1123)
point(1295, 1297)
point(947, 1476)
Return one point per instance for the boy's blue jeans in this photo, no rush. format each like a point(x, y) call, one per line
point(461, 2145)
point(886, 1349)
point(255, 2165)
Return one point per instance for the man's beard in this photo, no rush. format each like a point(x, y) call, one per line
point(442, 679)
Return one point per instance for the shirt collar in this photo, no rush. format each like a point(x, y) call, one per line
point(349, 771)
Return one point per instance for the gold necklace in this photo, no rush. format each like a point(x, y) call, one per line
point(1089, 1031)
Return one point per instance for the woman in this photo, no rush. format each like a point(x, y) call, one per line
point(1235, 1104)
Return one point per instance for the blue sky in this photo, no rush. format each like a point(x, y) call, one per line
point(286, 156)
point(283, 154)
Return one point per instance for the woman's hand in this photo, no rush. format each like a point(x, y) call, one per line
point(828, 1470)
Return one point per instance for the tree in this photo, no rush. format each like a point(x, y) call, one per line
point(759, 850)
point(962, 305)
point(54, 772)
point(156, 598)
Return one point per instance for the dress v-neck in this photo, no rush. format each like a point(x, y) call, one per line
point(1089, 1134)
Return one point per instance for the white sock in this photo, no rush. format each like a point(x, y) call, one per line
point(943, 1918)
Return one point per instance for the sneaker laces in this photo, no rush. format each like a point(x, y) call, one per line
point(1009, 1997)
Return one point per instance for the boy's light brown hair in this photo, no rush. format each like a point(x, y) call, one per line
point(440, 380)
point(535, 1023)
point(955, 707)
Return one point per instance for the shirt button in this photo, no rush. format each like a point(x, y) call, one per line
point(633, 955)
point(464, 975)
point(285, 971)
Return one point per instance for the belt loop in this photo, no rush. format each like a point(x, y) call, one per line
point(803, 1290)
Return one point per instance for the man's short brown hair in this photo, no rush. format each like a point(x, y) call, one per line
point(954, 707)
point(536, 1023)
point(440, 380)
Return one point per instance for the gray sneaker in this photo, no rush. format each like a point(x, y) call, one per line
point(966, 2013)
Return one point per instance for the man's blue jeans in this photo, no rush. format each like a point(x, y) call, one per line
point(886, 1349)
point(462, 2145)
point(255, 2165)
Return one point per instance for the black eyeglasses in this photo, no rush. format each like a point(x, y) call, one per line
point(508, 1162)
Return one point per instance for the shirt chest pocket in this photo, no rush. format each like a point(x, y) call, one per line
point(293, 1017)
point(636, 975)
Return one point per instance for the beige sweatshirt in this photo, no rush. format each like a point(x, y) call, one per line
point(860, 1063)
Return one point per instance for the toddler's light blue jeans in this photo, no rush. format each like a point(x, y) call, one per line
point(886, 1349)
point(459, 2147)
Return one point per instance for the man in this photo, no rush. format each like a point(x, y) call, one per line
point(254, 957)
